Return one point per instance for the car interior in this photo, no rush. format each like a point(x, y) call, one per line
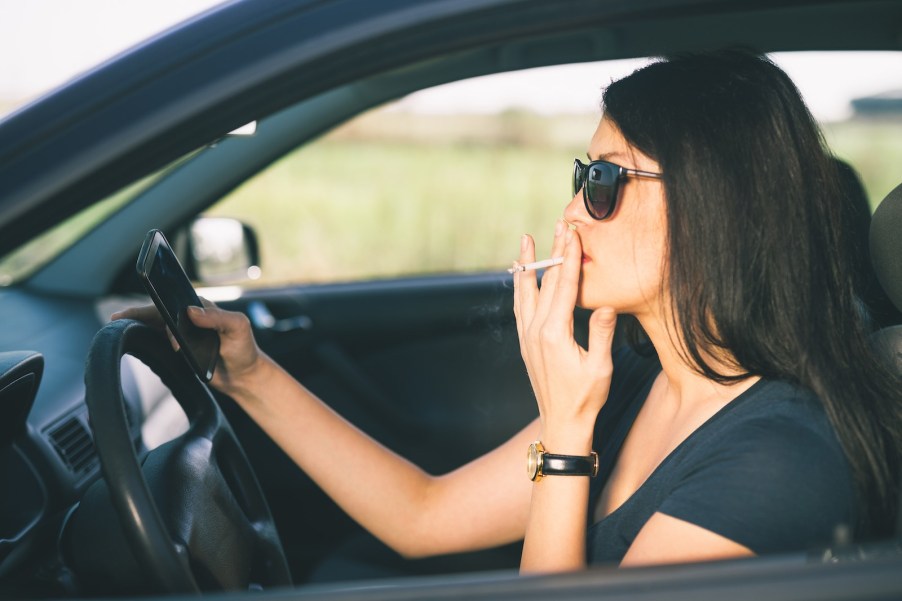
point(426, 363)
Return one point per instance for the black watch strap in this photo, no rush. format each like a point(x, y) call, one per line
point(570, 465)
point(540, 464)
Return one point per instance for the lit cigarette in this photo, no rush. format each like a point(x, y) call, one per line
point(537, 265)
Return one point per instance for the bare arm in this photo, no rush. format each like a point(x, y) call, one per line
point(665, 539)
point(571, 385)
point(481, 504)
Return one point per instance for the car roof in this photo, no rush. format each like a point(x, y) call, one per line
point(245, 60)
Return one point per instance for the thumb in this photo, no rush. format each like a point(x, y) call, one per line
point(227, 323)
point(601, 336)
point(205, 317)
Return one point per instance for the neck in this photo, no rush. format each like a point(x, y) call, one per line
point(684, 383)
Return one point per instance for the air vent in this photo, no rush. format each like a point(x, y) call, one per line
point(73, 442)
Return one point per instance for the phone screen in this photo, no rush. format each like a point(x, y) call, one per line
point(172, 293)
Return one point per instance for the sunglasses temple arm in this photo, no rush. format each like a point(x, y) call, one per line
point(640, 173)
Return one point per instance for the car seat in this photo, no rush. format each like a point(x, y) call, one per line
point(885, 250)
point(881, 311)
point(886, 256)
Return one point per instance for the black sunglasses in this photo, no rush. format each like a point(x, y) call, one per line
point(600, 183)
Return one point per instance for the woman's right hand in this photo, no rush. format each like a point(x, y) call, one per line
point(239, 355)
point(571, 383)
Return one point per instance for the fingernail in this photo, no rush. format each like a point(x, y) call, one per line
point(569, 237)
point(196, 310)
point(523, 242)
point(558, 228)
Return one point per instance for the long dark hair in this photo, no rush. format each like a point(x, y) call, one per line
point(757, 225)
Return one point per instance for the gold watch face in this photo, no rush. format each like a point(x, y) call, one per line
point(534, 461)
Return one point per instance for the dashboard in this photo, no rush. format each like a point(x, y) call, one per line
point(47, 456)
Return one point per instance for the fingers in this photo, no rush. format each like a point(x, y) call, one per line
point(147, 314)
point(227, 323)
point(526, 288)
point(238, 352)
point(566, 277)
point(602, 324)
point(212, 317)
point(549, 279)
point(209, 317)
point(150, 315)
point(172, 340)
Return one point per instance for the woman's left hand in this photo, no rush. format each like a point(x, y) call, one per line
point(570, 383)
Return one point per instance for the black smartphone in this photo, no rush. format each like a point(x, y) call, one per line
point(172, 293)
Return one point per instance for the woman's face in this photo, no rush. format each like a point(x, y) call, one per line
point(623, 256)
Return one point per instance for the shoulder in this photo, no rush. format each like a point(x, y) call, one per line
point(777, 420)
point(770, 474)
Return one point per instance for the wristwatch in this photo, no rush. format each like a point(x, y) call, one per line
point(539, 463)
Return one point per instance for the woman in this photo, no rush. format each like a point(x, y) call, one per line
point(758, 421)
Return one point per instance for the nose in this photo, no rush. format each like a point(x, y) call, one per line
point(575, 211)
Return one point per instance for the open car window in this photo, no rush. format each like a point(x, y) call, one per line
point(445, 180)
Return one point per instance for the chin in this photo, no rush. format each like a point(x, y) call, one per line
point(584, 299)
point(586, 295)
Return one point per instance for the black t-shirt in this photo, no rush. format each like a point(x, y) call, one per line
point(766, 471)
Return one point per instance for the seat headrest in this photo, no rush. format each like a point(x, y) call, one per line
point(886, 244)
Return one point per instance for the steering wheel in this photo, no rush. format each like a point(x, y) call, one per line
point(192, 516)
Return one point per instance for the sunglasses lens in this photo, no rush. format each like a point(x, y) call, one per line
point(601, 188)
point(600, 180)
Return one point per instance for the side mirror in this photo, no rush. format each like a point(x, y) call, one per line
point(221, 250)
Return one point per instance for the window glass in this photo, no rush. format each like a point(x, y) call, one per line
point(36, 253)
point(392, 193)
point(857, 99)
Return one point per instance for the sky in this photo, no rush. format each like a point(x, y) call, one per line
point(828, 82)
point(44, 43)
